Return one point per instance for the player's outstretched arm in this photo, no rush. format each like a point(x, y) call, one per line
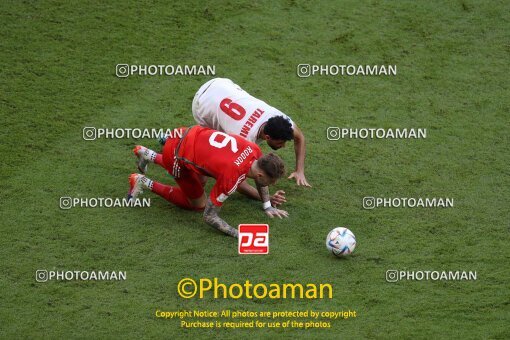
point(300, 150)
point(268, 208)
point(276, 199)
point(211, 217)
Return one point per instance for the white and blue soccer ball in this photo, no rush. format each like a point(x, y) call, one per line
point(341, 241)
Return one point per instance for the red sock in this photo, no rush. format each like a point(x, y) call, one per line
point(172, 194)
point(159, 160)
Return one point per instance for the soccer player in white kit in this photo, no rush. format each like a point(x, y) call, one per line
point(222, 105)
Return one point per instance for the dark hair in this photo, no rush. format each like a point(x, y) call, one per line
point(272, 165)
point(279, 128)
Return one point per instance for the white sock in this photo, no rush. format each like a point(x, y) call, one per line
point(147, 183)
point(149, 155)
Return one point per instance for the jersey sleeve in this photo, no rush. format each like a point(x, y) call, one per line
point(224, 187)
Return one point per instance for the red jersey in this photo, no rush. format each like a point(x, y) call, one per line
point(227, 158)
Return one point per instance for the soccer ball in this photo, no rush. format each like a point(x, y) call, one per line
point(341, 241)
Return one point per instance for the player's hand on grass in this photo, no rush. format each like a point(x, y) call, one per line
point(300, 178)
point(278, 198)
point(272, 212)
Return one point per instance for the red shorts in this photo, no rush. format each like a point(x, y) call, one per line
point(191, 183)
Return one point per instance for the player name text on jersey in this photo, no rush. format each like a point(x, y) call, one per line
point(249, 123)
point(243, 156)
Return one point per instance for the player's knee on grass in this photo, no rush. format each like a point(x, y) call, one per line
point(198, 204)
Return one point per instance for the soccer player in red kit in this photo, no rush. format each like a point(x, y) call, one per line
point(230, 159)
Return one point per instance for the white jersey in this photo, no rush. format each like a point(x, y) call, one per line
point(222, 105)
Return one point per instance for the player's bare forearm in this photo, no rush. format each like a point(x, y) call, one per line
point(246, 189)
point(299, 149)
point(276, 199)
point(211, 217)
point(270, 210)
point(263, 193)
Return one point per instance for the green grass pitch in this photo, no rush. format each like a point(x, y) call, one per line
point(57, 66)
